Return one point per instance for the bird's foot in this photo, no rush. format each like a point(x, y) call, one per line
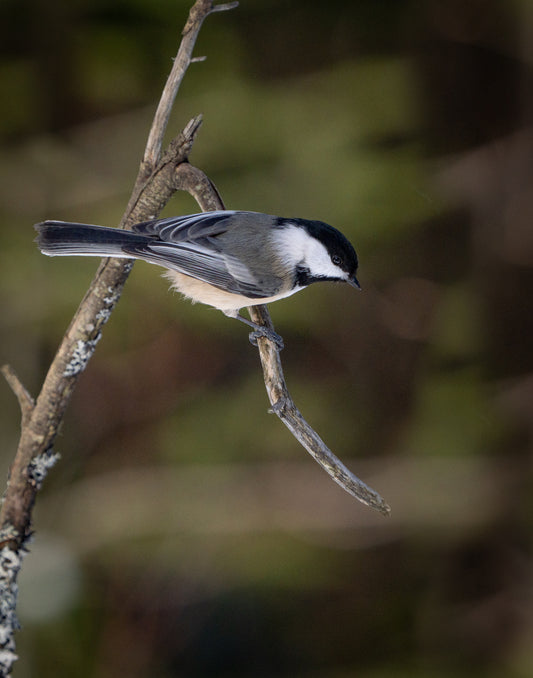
point(268, 334)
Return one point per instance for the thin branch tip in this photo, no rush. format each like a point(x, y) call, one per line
point(198, 12)
point(360, 490)
point(225, 7)
point(24, 398)
point(283, 406)
point(379, 504)
point(194, 124)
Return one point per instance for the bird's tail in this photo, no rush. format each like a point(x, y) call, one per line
point(62, 238)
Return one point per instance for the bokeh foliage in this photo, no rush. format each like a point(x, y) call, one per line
point(185, 533)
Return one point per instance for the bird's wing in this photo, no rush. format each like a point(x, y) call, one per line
point(188, 245)
point(187, 228)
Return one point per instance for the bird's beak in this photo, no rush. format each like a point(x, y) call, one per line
point(354, 282)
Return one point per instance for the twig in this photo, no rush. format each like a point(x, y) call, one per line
point(283, 406)
point(40, 420)
point(26, 402)
point(199, 11)
point(206, 195)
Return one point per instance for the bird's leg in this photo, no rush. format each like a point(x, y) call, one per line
point(261, 331)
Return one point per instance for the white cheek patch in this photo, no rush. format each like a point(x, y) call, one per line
point(300, 248)
point(318, 260)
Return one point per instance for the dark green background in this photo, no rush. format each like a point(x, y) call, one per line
point(185, 533)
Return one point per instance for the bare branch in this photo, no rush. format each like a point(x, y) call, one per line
point(26, 402)
point(40, 420)
point(199, 11)
point(195, 182)
point(286, 410)
point(158, 178)
point(224, 7)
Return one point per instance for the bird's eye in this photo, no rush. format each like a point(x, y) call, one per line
point(336, 260)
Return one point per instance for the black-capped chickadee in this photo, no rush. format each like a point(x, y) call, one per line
point(226, 259)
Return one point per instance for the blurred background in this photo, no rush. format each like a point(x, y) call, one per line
point(185, 532)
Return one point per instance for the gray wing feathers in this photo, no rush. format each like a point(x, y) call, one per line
point(203, 265)
point(190, 244)
point(189, 227)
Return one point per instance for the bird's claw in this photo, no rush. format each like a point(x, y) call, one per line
point(268, 334)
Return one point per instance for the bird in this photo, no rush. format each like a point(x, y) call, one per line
point(227, 259)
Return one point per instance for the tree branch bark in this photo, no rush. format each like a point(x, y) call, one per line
point(160, 175)
point(155, 183)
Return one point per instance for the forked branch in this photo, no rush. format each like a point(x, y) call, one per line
point(160, 175)
point(155, 184)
